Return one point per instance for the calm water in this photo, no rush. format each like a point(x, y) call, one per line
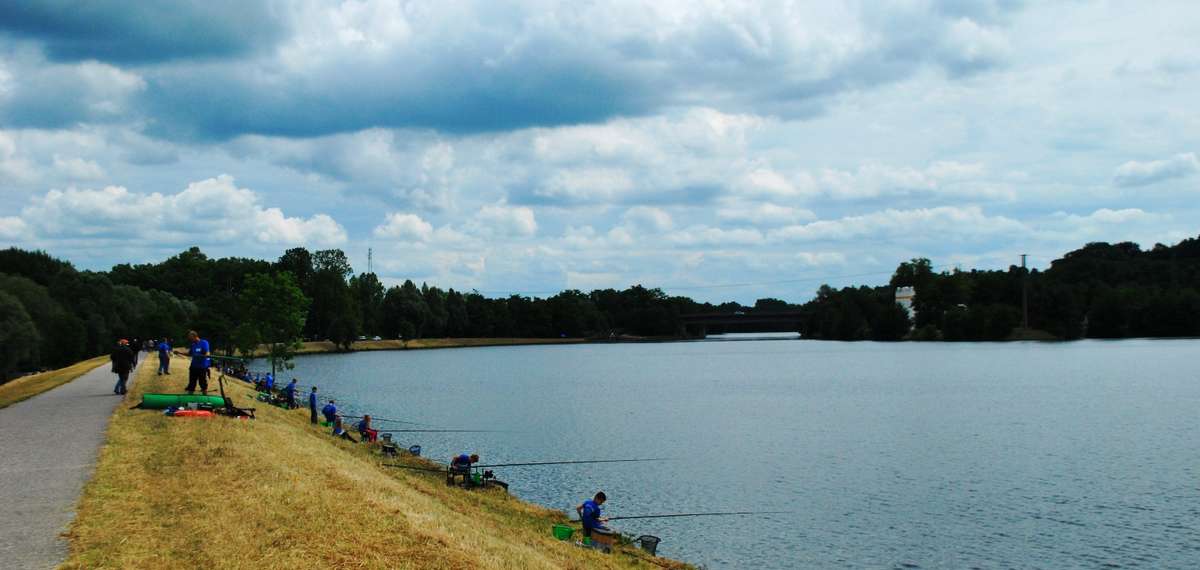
point(891, 455)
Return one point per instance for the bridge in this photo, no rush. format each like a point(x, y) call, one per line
point(699, 325)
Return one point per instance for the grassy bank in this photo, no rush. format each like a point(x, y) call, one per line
point(319, 347)
point(34, 384)
point(278, 493)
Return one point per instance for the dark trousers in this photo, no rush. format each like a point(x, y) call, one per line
point(164, 364)
point(314, 414)
point(122, 377)
point(197, 375)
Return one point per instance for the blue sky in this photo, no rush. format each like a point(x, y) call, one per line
point(535, 146)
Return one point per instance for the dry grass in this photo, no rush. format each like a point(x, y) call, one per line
point(278, 493)
point(34, 384)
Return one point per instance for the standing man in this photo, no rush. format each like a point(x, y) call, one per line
point(198, 370)
point(312, 404)
point(164, 356)
point(289, 392)
point(122, 363)
point(330, 411)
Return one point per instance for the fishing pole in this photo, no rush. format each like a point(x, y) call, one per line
point(440, 431)
point(375, 419)
point(571, 462)
point(412, 468)
point(729, 513)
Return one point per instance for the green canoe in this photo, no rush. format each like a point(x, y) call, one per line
point(164, 401)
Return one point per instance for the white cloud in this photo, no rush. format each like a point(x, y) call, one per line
point(1134, 173)
point(764, 214)
point(12, 228)
point(78, 168)
point(405, 227)
point(504, 220)
point(211, 211)
point(940, 223)
point(647, 219)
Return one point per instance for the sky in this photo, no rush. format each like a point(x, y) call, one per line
point(720, 150)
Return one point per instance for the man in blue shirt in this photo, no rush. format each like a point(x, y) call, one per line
point(330, 411)
point(461, 465)
point(198, 370)
point(164, 356)
point(270, 382)
point(593, 520)
point(289, 393)
point(312, 404)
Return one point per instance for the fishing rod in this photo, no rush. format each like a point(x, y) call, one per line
point(441, 431)
point(571, 462)
point(718, 514)
point(412, 468)
point(375, 419)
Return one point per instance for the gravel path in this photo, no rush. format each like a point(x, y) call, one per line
point(49, 444)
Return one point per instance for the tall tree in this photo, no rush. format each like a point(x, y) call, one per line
point(274, 307)
point(18, 335)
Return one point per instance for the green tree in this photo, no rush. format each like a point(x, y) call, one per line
point(18, 336)
point(275, 308)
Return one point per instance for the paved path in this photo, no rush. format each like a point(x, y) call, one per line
point(49, 444)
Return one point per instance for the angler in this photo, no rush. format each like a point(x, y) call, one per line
point(593, 521)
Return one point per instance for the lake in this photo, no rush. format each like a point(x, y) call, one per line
point(905, 455)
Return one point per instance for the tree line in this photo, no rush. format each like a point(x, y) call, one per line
point(52, 314)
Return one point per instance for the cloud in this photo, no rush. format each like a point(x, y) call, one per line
point(225, 69)
point(405, 227)
point(115, 31)
point(648, 219)
point(943, 222)
point(763, 214)
point(504, 220)
point(212, 211)
point(1134, 173)
point(49, 95)
point(12, 228)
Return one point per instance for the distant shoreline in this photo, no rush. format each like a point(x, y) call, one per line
point(329, 347)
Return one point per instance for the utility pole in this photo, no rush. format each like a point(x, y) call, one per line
point(370, 267)
point(1024, 293)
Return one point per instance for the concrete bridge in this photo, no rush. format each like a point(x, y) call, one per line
point(700, 325)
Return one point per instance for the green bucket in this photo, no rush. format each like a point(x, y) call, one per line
point(563, 532)
point(326, 424)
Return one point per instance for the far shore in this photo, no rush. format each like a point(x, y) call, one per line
point(327, 346)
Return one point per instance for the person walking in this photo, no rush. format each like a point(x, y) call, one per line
point(164, 356)
point(122, 364)
point(198, 370)
point(312, 404)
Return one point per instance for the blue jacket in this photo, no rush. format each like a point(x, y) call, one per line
point(164, 350)
point(590, 516)
point(330, 411)
point(312, 400)
point(290, 390)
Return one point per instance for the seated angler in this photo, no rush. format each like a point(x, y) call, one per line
point(461, 465)
point(593, 521)
point(365, 430)
point(340, 431)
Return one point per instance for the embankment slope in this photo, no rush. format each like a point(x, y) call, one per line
point(278, 493)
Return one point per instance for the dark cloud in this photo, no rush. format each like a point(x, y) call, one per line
point(140, 32)
point(482, 69)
